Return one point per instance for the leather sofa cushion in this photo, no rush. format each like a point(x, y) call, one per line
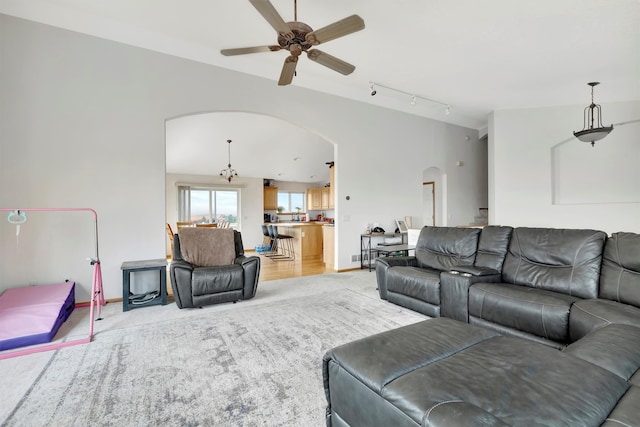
point(517, 381)
point(419, 283)
point(615, 348)
point(492, 247)
point(379, 359)
point(626, 411)
point(539, 312)
point(212, 280)
point(441, 248)
point(588, 315)
point(620, 278)
point(560, 260)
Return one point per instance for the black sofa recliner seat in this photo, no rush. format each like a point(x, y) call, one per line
point(217, 272)
point(414, 281)
point(618, 299)
point(545, 271)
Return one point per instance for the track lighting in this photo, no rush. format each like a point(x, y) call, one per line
point(413, 98)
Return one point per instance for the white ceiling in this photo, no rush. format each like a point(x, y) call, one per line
point(477, 56)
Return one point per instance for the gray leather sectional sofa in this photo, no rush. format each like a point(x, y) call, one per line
point(537, 326)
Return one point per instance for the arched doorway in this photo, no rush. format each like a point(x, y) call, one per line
point(434, 184)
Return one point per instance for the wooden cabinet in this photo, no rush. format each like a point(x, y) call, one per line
point(307, 239)
point(314, 199)
point(318, 199)
point(270, 198)
point(324, 192)
point(328, 245)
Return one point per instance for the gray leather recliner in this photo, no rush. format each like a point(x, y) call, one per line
point(196, 286)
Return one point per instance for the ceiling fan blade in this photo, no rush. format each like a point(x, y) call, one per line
point(246, 50)
point(340, 28)
point(330, 61)
point(288, 70)
point(272, 16)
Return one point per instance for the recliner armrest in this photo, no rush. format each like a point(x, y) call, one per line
point(251, 267)
point(471, 270)
point(454, 293)
point(384, 264)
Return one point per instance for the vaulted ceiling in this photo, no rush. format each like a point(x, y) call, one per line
point(477, 56)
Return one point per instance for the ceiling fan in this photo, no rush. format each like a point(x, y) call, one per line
point(298, 37)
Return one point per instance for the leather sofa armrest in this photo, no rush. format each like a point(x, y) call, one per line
point(251, 267)
point(472, 270)
point(384, 264)
point(180, 273)
point(454, 293)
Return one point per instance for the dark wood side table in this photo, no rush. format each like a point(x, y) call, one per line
point(130, 301)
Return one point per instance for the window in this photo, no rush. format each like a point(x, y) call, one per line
point(203, 205)
point(291, 201)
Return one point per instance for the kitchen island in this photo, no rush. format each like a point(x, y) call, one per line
point(307, 238)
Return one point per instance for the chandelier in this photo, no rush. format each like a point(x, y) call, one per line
point(589, 133)
point(228, 172)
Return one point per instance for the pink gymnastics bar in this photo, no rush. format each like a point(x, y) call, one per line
point(97, 295)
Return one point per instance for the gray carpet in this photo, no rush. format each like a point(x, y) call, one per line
point(250, 366)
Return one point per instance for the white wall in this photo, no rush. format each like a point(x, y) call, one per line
point(541, 176)
point(82, 124)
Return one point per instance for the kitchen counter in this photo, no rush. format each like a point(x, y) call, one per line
point(307, 238)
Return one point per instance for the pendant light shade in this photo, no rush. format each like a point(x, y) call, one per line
point(593, 130)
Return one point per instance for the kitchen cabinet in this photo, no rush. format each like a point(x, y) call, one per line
point(307, 239)
point(314, 199)
point(270, 198)
point(325, 197)
point(318, 199)
point(328, 245)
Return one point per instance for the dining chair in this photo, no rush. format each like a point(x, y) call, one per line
point(183, 224)
point(170, 234)
point(205, 225)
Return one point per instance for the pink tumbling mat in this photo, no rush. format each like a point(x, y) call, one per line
point(33, 314)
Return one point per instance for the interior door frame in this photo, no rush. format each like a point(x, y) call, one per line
point(433, 201)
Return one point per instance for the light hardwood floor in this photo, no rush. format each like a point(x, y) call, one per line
point(272, 270)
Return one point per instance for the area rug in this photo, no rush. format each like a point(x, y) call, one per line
point(254, 366)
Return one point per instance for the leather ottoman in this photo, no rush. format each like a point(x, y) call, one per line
point(443, 372)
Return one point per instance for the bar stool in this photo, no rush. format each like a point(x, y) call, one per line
point(269, 240)
point(285, 250)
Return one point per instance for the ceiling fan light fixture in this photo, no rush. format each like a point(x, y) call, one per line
point(297, 37)
point(593, 130)
point(228, 173)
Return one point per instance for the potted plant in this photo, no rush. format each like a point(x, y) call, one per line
point(280, 209)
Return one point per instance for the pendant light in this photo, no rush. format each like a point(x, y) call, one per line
point(228, 172)
point(593, 130)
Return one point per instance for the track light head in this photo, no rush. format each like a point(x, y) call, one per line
point(373, 91)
